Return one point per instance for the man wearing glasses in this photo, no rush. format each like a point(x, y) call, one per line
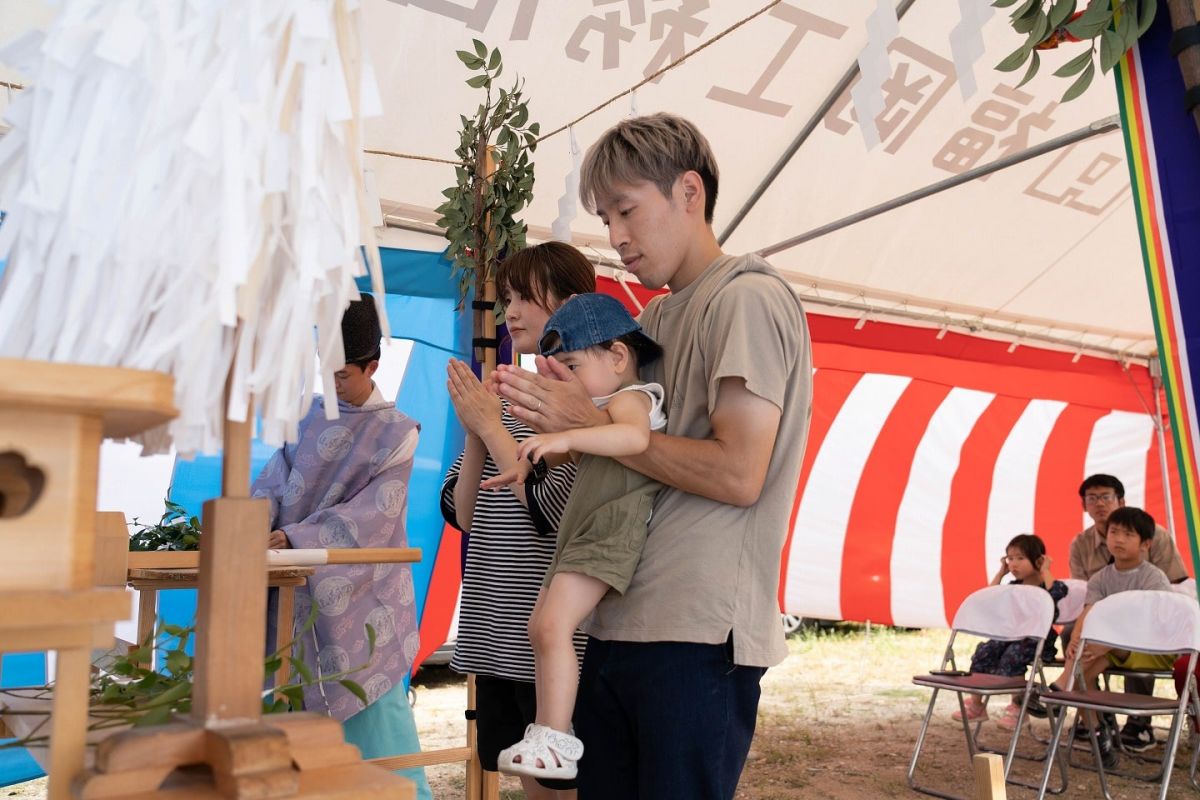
point(1102, 495)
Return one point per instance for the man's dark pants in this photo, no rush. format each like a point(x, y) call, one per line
point(664, 720)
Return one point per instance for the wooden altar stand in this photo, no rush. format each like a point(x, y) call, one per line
point(53, 418)
point(226, 749)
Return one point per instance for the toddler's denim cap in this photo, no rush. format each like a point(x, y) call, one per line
point(587, 320)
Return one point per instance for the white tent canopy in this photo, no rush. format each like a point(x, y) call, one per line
point(1044, 251)
point(1048, 248)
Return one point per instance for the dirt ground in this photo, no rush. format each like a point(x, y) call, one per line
point(838, 720)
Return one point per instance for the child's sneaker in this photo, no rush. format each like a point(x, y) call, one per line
point(1009, 720)
point(976, 710)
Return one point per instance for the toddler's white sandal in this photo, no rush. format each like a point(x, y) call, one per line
point(556, 753)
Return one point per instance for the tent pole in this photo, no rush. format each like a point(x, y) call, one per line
point(1160, 432)
point(818, 115)
point(1098, 127)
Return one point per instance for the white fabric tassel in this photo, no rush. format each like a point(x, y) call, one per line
point(176, 171)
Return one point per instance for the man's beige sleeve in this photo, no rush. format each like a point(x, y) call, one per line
point(1165, 555)
point(1077, 563)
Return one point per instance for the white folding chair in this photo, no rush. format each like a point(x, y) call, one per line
point(1010, 612)
point(1069, 609)
point(1146, 622)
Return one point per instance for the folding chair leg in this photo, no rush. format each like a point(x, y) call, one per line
point(1169, 761)
point(912, 766)
point(1052, 753)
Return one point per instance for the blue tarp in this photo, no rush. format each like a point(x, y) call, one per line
point(420, 303)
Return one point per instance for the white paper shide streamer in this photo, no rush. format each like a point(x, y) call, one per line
point(184, 190)
point(966, 42)
point(568, 204)
point(874, 68)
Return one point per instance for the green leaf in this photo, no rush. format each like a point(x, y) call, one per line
point(1081, 83)
point(1002, 3)
point(494, 61)
point(178, 662)
point(294, 694)
point(480, 48)
point(466, 57)
point(1024, 9)
point(1127, 30)
point(1110, 50)
point(535, 128)
point(301, 669)
point(1034, 63)
point(1060, 12)
point(1146, 11)
point(1040, 30)
point(155, 716)
point(1025, 24)
point(272, 666)
point(477, 81)
point(355, 690)
point(1098, 10)
point(1075, 65)
point(1014, 59)
point(1094, 20)
point(520, 117)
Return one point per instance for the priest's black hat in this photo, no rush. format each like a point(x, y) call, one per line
point(360, 330)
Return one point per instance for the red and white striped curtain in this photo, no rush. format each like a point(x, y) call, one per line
point(926, 456)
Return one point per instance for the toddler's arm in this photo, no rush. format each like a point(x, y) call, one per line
point(627, 435)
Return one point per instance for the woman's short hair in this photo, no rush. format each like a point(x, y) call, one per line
point(550, 268)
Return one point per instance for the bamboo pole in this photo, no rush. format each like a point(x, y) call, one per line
point(485, 277)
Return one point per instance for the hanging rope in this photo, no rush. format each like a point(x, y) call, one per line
point(415, 158)
point(662, 71)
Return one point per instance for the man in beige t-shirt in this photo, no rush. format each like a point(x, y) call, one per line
point(669, 688)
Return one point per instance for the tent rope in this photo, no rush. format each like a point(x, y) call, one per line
point(663, 71)
point(415, 158)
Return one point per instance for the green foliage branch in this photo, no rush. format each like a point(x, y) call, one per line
point(125, 692)
point(175, 531)
point(1110, 27)
point(479, 213)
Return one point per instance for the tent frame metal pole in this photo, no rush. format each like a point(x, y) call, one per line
point(847, 78)
point(1161, 432)
point(1100, 126)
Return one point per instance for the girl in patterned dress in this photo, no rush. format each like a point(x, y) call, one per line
point(1026, 561)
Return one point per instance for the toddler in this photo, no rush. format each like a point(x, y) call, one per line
point(603, 527)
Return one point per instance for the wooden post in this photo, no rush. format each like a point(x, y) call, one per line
point(233, 589)
point(233, 586)
point(474, 769)
point(485, 279)
point(989, 777)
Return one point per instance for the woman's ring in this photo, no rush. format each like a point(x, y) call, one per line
point(539, 405)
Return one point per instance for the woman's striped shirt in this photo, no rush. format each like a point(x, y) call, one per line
point(508, 553)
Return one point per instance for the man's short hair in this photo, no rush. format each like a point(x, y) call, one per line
point(1134, 519)
point(1102, 481)
point(363, 363)
point(656, 148)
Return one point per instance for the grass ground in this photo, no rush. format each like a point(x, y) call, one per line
point(838, 719)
